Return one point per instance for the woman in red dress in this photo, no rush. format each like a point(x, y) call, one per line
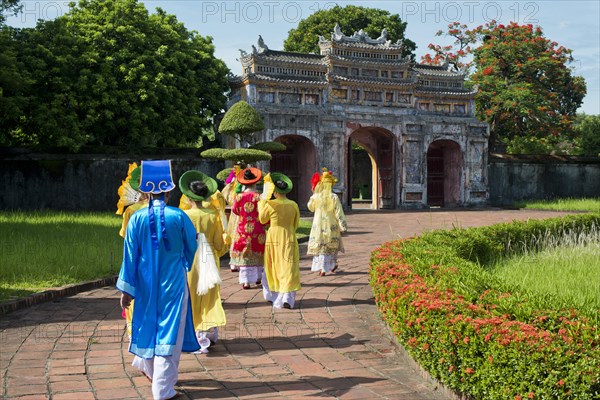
point(247, 251)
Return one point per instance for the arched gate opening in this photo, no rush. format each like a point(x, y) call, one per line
point(379, 145)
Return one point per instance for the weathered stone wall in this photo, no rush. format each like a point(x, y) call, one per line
point(80, 182)
point(514, 178)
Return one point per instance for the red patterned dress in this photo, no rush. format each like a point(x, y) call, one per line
point(247, 251)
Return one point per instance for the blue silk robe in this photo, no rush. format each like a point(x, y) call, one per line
point(156, 279)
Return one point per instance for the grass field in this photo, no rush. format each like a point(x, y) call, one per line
point(41, 250)
point(567, 204)
point(50, 249)
point(565, 274)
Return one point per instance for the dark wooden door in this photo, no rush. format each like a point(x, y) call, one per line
point(385, 164)
point(286, 162)
point(349, 175)
point(435, 177)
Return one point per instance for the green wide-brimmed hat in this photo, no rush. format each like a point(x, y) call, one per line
point(134, 181)
point(191, 176)
point(278, 176)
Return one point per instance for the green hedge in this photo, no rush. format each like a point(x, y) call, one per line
point(269, 147)
point(474, 337)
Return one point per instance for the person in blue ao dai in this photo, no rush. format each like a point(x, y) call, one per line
point(160, 243)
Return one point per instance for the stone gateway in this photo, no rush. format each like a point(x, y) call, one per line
point(415, 122)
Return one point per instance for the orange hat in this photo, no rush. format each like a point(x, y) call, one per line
point(249, 176)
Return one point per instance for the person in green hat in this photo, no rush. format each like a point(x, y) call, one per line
point(281, 276)
point(204, 277)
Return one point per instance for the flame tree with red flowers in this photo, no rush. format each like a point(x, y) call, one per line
point(526, 88)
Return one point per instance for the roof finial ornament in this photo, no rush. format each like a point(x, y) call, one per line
point(337, 32)
point(383, 37)
point(262, 47)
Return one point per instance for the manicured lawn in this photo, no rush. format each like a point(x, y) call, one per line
point(565, 276)
point(49, 249)
point(567, 204)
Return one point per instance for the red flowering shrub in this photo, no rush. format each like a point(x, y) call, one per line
point(473, 337)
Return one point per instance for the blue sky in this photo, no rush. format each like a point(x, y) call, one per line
point(235, 25)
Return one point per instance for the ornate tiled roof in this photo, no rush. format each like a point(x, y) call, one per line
point(360, 40)
point(287, 57)
point(287, 79)
point(437, 70)
point(363, 46)
point(376, 61)
point(371, 81)
point(445, 92)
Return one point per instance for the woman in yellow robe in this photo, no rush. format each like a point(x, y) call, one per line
point(281, 275)
point(205, 296)
point(329, 223)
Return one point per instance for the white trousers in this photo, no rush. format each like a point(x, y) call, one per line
point(205, 338)
point(324, 262)
point(278, 299)
point(250, 275)
point(164, 369)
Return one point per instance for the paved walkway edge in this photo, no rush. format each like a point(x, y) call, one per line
point(52, 294)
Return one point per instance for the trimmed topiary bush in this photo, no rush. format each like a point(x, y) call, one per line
point(269, 146)
point(246, 156)
point(216, 153)
point(241, 121)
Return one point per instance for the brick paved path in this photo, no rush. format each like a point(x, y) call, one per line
point(332, 345)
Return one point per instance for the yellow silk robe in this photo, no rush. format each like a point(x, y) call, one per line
point(282, 256)
point(207, 309)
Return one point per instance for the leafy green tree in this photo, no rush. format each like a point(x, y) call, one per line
point(351, 19)
point(110, 73)
point(587, 133)
point(12, 80)
point(8, 7)
point(14, 86)
point(526, 88)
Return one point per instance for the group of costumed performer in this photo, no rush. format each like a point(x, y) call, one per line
point(205, 208)
point(329, 222)
point(270, 259)
point(171, 260)
point(159, 249)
